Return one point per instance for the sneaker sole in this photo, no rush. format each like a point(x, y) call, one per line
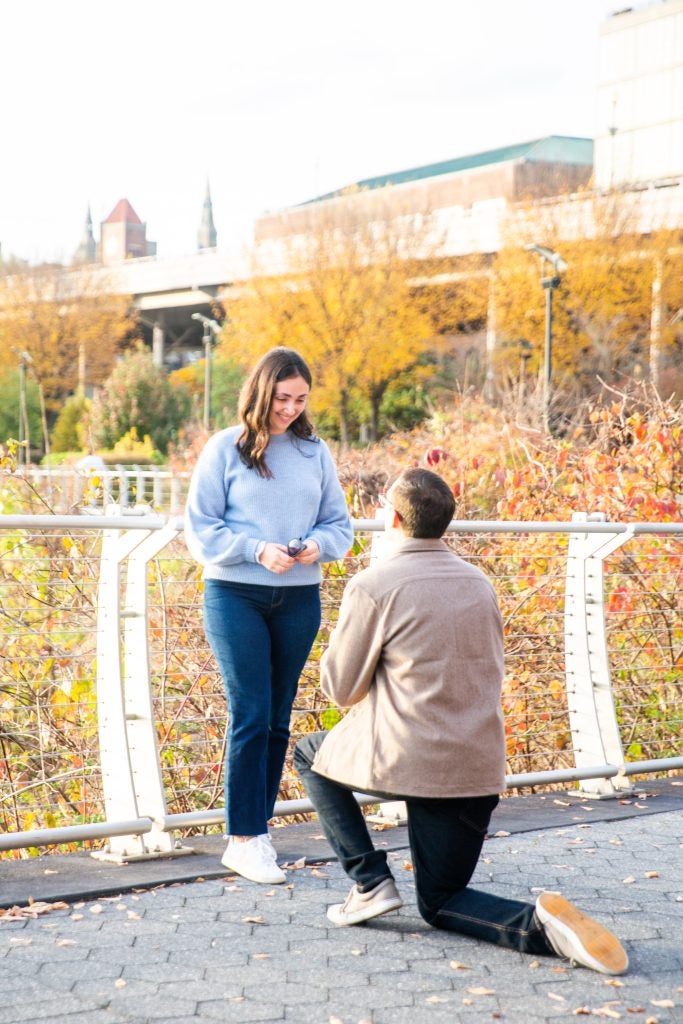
point(271, 880)
point(597, 947)
point(367, 914)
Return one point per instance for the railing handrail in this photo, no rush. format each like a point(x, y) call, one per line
point(137, 519)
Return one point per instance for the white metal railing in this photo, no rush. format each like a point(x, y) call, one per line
point(69, 488)
point(138, 824)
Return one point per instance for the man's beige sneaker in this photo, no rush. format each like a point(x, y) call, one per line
point(578, 937)
point(254, 859)
point(361, 906)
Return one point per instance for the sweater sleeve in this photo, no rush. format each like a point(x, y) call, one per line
point(209, 540)
point(333, 532)
point(347, 667)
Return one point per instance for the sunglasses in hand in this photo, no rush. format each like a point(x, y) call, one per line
point(295, 547)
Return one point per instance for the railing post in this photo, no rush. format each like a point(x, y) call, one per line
point(131, 775)
point(590, 701)
point(117, 774)
point(139, 711)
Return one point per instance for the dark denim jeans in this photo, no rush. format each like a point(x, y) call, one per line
point(261, 637)
point(446, 837)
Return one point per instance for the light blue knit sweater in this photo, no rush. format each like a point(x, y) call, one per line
point(231, 509)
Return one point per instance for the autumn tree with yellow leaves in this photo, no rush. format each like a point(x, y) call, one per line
point(343, 292)
point(615, 309)
point(65, 325)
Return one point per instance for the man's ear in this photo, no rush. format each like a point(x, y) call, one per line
point(395, 522)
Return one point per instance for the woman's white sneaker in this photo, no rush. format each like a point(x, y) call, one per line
point(254, 859)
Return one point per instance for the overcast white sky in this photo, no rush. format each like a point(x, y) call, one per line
point(275, 101)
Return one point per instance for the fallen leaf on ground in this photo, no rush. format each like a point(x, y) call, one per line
point(33, 909)
point(97, 909)
point(554, 995)
point(662, 1002)
point(500, 834)
point(478, 990)
point(120, 983)
point(253, 920)
point(652, 874)
point(628, 879)
point(66, 942)
point(320, 874)
point(407, 865)
point(457, 966)
point(614, 982)
point(261, 956)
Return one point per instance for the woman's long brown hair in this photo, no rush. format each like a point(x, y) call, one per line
point(256, 398)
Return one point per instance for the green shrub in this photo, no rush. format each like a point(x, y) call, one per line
point(138, 396)
point(67, 433)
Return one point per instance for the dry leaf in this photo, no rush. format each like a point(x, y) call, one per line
point(652, 874)
point(501, 834)
point(563, 803)
point(261, 956)
point(582, 1010)
point(628, 879)
point(553, 995)
point(66, 942)
point(120, 983)
point(457, 966)
point(76, 917)
point(436, 999)
point(468, 1002)
point(96, 909)
point(407, 865)
point(662, 1002)
point(477, 990)
point(336, 1020)
point(534, 964)
point(133, 916)
point(384, 826)
point(356, 952)
point(319, 874)
point(297, 865)
point(614, 982)
point(17, 940)
point(253, 920)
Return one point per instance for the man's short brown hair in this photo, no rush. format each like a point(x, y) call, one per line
point(424, 502)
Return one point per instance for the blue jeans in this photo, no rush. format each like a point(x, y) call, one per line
point(261, 638)
point(446, 837)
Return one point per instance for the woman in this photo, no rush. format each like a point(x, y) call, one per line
point(264, 509)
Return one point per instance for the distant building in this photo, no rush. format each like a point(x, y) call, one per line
point(207, 236)
point(468, 193)
point(640, 96)
point(87, 250)
point(123, 236)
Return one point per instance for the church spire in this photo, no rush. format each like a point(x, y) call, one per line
point(206, 236)
point(87, 250)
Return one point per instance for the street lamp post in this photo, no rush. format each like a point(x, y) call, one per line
point(549, 282)
point(211, 329)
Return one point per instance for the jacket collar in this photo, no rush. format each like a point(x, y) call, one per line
point(408, 545)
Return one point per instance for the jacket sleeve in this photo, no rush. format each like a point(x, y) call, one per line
point(208, 538)
point(347, 668)
point(333, 532)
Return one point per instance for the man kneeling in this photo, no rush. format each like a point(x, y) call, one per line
point(418, 657)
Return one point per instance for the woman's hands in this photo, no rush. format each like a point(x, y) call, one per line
point(274, 557)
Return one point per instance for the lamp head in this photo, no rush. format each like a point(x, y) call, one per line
point(554, 258)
